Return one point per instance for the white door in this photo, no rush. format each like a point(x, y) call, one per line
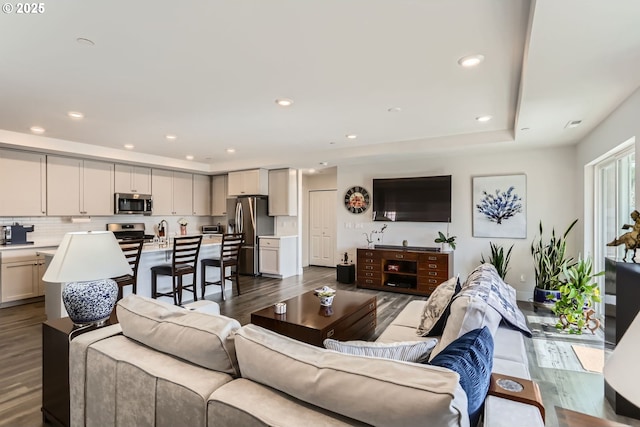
point(322, 228)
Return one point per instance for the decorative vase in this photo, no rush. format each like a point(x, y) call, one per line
point(183, 230)
point(90, 302)
point(326, 301)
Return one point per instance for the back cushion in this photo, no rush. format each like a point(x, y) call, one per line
point(377, 391)
point(203, 339)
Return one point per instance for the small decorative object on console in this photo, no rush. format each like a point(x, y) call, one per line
point(280, 308)
point(393, 267)
point(630, 238)
point(326, 295)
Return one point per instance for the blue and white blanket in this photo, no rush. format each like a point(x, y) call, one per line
point(485, 283)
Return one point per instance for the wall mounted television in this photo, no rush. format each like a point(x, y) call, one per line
point(420, 199)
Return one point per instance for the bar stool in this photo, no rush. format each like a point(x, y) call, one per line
point(185, 257)
point(131, 250)
point(229, 257)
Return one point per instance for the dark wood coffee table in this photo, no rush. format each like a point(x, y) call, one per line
point(351, 317)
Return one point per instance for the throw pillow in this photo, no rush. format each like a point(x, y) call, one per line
point(471, 356)
point(406, 351)
point(436, 310)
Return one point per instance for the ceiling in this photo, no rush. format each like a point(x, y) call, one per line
point(210, 72)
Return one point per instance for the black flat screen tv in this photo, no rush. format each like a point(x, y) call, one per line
point(421, 199)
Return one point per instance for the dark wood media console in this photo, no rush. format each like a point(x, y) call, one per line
point(407, 271)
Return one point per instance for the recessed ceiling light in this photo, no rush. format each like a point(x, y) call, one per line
point(188, 157)
point(312, 170)
point(129, 146)
point(573, 124)
point(230, 150)
point(483, 119)
point(171, 137)
point(394, 109)
point(85, 42)
point(284, 102)
point(75, 115)
point(351, 136)
point(323, 163)
point(37, 129)
point(470, 61)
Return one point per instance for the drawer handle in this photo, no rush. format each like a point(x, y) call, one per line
point(432, 273)
point(399, 256)
point(330, 333)
point(368, 281)
point(373, 324)
point(372, 314)
point(371, 306)
point(368, 267)
point(432, 258)
point(369, 253)
point(433, 265)
point(433, 281)
point(368, 274)
point(368, 260)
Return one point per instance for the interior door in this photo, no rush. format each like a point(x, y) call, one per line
point(322, 228)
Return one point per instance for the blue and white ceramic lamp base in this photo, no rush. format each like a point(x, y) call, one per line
point(90, 302)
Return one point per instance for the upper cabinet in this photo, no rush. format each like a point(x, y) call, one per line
point(201, 195)
point(29, 198)
point(133, 179)
point(79, 187)
point(249, 183)
point(283, 192)
point(219, 195)
point(172, 192)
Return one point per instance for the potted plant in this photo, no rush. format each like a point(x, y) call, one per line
point(499, 259)
point(449, 240)
point(577, 294)
point(549, 257)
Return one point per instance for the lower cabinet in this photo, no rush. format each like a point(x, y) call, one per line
point(278, 256)
point(21, 276)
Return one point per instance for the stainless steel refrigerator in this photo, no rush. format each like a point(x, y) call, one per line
point(250, 215)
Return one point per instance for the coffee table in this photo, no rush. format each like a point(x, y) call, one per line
point(351, 317)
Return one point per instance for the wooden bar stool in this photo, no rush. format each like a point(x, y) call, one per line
point(229, 257)
point(131, 250)
point(185, 257)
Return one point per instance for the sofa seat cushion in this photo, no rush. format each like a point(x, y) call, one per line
point(395, 333)
point(509, 345)
point(139, 386)
point(199, 338)
point(353, 386)
point(511, 368)
point(509, 413)
point(246, 403)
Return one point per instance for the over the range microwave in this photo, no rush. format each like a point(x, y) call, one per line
point(133, 204)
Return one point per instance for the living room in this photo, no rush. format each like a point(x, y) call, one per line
point(528, 134)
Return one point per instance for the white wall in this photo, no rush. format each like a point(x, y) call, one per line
point(551, 197)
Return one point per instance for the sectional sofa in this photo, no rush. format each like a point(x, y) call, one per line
point(166, 366)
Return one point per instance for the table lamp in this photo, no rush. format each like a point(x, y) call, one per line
point(621, 371)
point(86, 261)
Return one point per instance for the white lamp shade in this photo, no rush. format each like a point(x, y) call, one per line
point(87, 255)
point(621, 370)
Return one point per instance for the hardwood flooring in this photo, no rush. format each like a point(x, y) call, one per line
point(21, 350)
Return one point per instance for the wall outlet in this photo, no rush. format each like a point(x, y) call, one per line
point(523, 278)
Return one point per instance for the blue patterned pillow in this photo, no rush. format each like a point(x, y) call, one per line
point(471, 356)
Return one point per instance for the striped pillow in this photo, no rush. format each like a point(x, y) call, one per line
point(406, 351)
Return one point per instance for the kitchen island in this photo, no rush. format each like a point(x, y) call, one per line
point(152, 254)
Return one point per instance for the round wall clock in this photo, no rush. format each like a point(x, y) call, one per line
point(356, 199)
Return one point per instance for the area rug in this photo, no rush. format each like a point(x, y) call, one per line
point(591, 358)
point(556, 355)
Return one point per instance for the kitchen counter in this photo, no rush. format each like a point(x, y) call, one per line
point(152, 254)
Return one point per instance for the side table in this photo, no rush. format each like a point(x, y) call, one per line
point(56, 334)
point(346, 273)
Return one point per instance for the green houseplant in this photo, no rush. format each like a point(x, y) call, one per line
point(549, 257)
point(577, 294)
point(499, 259)
point(450, 240)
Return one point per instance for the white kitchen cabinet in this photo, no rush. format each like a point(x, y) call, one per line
point(278, 256)
point(132, 179)
point(172, 192)
point(23, 175)
point(21, 275)
point(283, 192)
point(201, 195)
point(249, 183)
point(219, 195)
point(79, 187)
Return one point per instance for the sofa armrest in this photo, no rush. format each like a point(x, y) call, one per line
point(77, 368)
point(524, 391)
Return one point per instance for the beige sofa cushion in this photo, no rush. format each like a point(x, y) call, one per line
point(199, 338)
point(377, 391)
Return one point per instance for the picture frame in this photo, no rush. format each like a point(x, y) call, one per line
point(499, 206)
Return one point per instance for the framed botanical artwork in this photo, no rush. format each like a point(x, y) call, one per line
point(500, 206)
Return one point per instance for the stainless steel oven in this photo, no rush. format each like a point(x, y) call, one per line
point(131, 204)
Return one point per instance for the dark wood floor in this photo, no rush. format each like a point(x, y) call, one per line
point(21, 349)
